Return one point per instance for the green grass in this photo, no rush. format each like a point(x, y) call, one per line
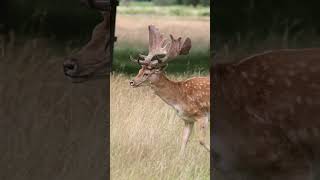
point(148, 8)
point(196, 61)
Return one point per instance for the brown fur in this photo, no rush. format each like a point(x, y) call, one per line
point(266, 115)
point(193, 95)
point(190, 98)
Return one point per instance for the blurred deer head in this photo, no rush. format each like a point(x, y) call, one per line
point(93, 59)
point(161, 51)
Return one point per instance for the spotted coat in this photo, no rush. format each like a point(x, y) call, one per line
point(267, 114)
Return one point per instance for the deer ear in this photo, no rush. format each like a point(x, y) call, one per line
point(186, 47)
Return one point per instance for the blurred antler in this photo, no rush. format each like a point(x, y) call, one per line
point(176, 48)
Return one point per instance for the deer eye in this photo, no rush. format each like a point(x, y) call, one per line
point(145, 74)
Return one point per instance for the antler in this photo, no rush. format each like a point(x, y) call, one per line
point(161, 50)
point(176, 48)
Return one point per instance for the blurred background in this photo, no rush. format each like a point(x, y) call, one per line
point(50, 128)
point(240, 28)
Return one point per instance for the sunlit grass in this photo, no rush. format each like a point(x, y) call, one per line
point(146, 137)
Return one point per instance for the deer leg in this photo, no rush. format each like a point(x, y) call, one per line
point(186, 134)
point(202, 124)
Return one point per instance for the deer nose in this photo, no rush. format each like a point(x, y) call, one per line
point(70, 66)
point(131, 83)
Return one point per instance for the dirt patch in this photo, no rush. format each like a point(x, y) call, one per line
point(133, 30)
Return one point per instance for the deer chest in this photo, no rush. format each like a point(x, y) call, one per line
point(182, 113)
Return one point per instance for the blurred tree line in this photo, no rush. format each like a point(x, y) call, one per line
point(262, 17)
point(182, 2)
point(173, 2)
point(61, 20)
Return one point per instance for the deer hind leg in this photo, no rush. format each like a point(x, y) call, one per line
point(203, 125)
point(186, 134)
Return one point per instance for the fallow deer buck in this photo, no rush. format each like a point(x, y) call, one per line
point(190, 98)
point(267, 116)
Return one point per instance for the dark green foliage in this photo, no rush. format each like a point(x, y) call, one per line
point(63, 20)
point(165, 2)
point(185, 2)
point(197, 60)
point(205, 2)
point(247, 16)
point(191, 2)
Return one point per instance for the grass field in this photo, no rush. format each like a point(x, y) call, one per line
point(146, 137)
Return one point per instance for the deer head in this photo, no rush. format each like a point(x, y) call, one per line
point(93, 59)
point(161, 51)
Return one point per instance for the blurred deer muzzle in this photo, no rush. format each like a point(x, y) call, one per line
point(132, 83)
point(70, 67)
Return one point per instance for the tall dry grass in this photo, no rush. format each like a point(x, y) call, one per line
point(145, 137)
point(49, 127)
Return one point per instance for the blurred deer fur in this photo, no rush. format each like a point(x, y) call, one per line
point(267, 116)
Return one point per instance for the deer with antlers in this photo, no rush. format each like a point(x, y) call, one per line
point(190, 98)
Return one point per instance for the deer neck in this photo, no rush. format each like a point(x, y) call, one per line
point(166, 89)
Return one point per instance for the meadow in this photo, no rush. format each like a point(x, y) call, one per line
point(145, 137)
point(146, 133)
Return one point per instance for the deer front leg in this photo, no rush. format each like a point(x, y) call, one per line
point(202, 124)
point(186, 134)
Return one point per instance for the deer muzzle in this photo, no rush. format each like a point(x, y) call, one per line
point(132, 83)
point(70, 67)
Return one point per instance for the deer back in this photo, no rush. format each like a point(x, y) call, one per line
point(266, 112)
